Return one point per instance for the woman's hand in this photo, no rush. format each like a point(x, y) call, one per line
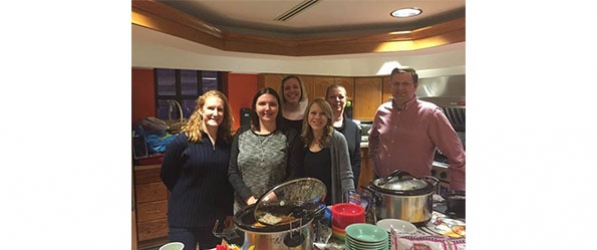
point(251, 200)
point(271, 196)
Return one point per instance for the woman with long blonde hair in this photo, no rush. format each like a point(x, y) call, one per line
point(195, 170)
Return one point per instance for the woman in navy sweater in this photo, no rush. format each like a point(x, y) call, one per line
point(195, 170)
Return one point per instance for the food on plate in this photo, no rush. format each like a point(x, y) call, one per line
point(270, 219)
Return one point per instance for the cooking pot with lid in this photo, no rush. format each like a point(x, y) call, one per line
point(402, 196)
point(282, 217)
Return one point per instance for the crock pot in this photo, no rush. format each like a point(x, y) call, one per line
point(402, 196)
point(299, 201)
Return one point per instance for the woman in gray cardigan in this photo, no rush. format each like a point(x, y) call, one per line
point(326, 152)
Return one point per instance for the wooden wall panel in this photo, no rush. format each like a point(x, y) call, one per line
point(348, 84)
point(320, 84)
point(367, 97)
point(386, 92)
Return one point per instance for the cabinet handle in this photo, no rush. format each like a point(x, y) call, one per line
point(153, 211)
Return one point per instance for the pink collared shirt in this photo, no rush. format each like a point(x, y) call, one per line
point(404, 138)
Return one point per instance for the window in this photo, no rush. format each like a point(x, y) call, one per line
point(183, 86)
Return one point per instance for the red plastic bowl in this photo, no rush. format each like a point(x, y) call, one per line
point(345, 214)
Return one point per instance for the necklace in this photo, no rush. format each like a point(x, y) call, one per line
point(262, 139)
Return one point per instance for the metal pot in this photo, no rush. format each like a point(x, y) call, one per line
point(401, 196)
point(295, 235)
point(296, 203)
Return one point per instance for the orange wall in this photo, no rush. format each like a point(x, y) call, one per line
point(143, 94)
point(240, 88)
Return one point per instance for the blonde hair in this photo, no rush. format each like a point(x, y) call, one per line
point(303, 100)
point(328, 129)
point(193, 127)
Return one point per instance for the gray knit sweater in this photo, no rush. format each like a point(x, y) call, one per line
point(260, 162)
point(342, 176)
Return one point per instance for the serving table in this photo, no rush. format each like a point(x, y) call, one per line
point(437, 226)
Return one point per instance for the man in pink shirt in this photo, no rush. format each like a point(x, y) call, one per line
point(406, 131)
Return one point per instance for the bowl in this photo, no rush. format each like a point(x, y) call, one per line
point(401, 226)
point(345, 214)
point(367, 233)
point(172, 246)
point(338, 233)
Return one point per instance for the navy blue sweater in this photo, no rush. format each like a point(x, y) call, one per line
point(197, 176)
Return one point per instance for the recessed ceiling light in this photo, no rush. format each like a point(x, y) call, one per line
point(407, 12)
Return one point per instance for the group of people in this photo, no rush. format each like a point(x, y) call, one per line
point(212, 172)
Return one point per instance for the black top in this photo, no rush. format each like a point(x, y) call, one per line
point(352, 134)
point(197, 176)
point(319, 165)
point(292, 124)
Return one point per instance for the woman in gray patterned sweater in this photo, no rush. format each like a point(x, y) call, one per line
point(265, 155)
point(326, 152)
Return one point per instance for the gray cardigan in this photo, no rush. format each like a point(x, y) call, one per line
point(342, 176)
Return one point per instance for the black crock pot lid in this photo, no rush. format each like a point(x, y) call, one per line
point(307, 193)
point(402, 185)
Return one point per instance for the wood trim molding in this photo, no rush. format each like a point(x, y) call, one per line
point(159, 17)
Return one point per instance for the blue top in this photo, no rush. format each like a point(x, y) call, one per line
point(197, 176)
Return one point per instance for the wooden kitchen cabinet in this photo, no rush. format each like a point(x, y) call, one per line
point(151, 207)
point(320, 84)
point(367, 97)
point(348, 84)
point(270, 80)
point(366, 172)
point(386, 92)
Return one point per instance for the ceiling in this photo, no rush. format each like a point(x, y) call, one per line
point(318, 18)
point(325, 27)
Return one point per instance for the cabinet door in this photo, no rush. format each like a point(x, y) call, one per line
point(348, 84)
point(270, 80)
point(386, 93)
point(151, 192)
point(367, 97)
point(320, 84)
point(153, 229)
point(152, 211)
point(308, 84)
point(147, 175)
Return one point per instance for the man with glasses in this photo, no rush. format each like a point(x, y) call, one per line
point(406, 132)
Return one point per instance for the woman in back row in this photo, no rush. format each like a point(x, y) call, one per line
point(335, 95)
point(326, 152)
point(294, 101)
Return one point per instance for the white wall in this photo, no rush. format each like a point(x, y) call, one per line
point(152, 49)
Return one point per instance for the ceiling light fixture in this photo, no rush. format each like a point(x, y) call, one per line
point(406, 12)
point(400, 32)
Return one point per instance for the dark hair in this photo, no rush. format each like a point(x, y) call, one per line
point(412, 72)
point(255, 117)
point(333, 86)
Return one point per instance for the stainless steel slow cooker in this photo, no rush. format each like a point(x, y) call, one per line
point(295, 204)
point(402, 196)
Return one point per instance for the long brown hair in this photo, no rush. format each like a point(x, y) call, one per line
point(193, 127)
point(307, 133)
